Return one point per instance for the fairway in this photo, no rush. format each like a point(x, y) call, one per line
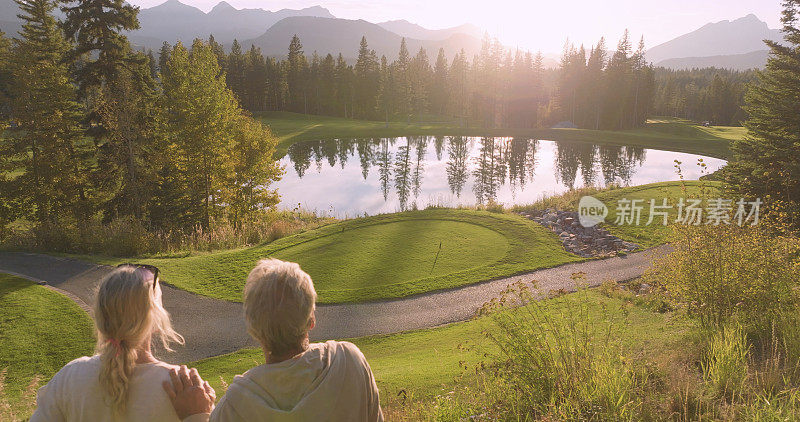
point(382, 257)
point(664, 133)
point(40, 331)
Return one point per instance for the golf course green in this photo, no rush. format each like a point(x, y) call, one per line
point(382, 257)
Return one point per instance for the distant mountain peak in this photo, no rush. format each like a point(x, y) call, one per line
point(222, 6)
point(723, 38)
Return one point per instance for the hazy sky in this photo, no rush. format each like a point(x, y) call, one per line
point(536, 24)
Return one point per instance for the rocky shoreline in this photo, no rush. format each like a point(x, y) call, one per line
point(586, 242)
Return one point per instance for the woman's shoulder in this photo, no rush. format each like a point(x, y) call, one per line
point(80, 365)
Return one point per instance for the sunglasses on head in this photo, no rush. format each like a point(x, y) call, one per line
point(152, 268)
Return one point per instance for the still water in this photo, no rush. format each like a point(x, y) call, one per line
point(357, 176)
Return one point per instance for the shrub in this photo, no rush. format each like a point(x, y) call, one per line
point(719, 273)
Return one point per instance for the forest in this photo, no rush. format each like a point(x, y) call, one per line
point(499, 87)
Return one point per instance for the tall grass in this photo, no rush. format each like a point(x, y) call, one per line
point(564, 366)
point(127, 237)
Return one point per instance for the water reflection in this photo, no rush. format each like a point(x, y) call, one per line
point(390, 174)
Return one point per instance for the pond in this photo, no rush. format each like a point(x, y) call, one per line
point(347, 178)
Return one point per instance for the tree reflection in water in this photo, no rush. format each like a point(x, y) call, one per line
point(490, 162)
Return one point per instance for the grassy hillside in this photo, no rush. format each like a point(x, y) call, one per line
point(660, 133)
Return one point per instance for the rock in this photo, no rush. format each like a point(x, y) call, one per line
point(644, 289)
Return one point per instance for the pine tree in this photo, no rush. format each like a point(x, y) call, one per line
point(96, 26)
point(366, 81)
point(129, 110)
point(418, 76)
point(296, 76)
point(439, 86)
point(219, 51)
point(327, 82)
point(49, 150)
point(255, 80)
point(766, 163)
point(163, 57)
point(235, 74)
point(344, 87)
point(402, 80)
point(5, 79)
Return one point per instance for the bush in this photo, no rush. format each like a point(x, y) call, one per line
point(726, 272)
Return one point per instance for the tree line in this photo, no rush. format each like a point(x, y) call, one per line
point(98, 134)
point(713, 95)
point(498, 87)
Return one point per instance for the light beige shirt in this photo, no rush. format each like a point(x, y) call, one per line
point(330, 381)
point(75, 395)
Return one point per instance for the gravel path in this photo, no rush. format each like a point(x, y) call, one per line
point(212, 327)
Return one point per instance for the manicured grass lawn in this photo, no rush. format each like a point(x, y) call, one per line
point(668, 134)
point(426, 362)
point(40, 331)
point(381, 257)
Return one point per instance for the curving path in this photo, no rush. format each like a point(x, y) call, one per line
point(212, 327)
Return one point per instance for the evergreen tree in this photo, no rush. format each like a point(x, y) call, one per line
point(152, 64)
point(402, 80)
point(163, 57)
point(5, 79)
point(128, 108)
point(344, 87)
point(96, 26)
point(458, 85)
point(366, 81)
point(327, 86)
point(255, 81)
point(235, 76)
point(50, 151)
point(296, 75)
point(439, 86)
point(766, 163)
point(219, 51)
point(418, 76)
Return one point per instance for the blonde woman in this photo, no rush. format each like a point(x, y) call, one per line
point(123, 380)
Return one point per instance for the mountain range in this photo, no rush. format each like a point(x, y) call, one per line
point(736, 44)
point(325, 35)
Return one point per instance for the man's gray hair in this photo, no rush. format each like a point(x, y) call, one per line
point(279, 302)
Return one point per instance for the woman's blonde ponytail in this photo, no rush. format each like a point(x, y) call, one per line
point(127, 313)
